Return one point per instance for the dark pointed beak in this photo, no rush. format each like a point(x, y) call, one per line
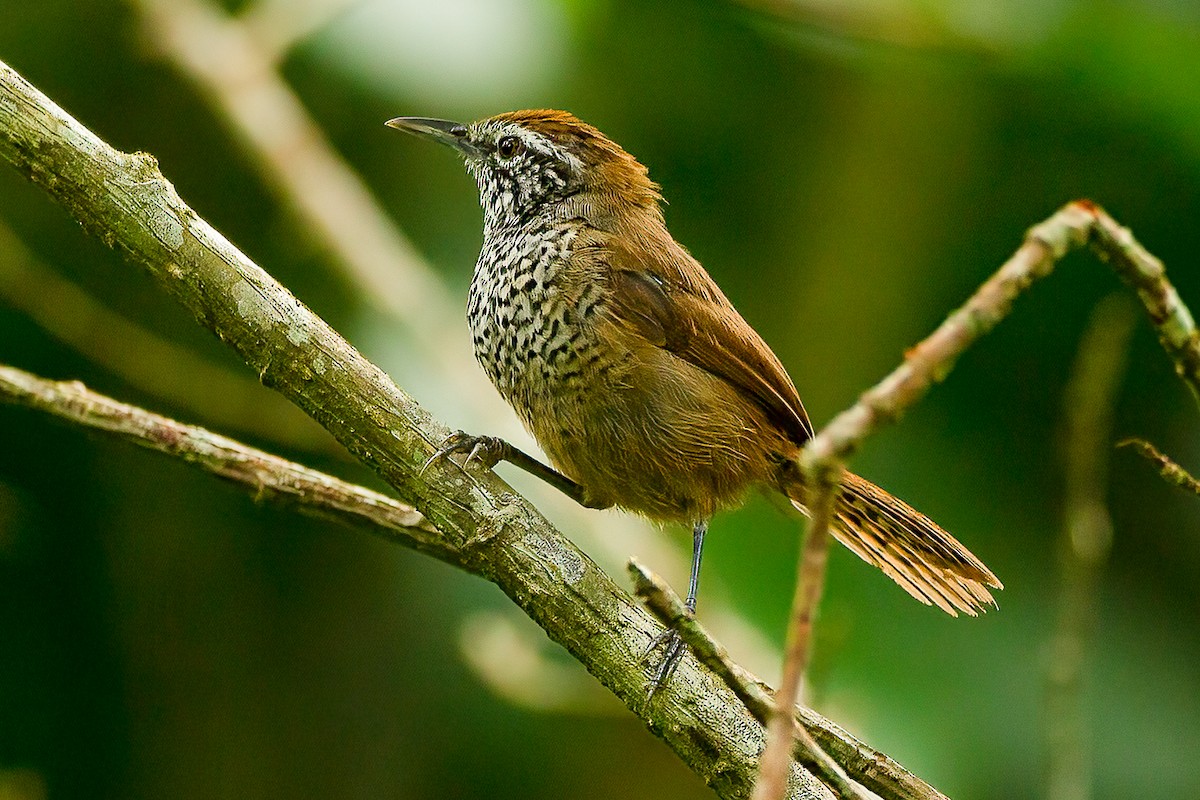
point(443, 131)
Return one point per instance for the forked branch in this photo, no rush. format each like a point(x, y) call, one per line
point(126, 201)
point(487, 528)
point(1078, 224)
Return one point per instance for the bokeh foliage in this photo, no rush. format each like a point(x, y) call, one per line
point(848, 177)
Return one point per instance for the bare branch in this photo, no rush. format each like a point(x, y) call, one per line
point(671, 611)
point(810, 580)
point(266, 477)
point(125, 199)
point(1139, 269)
point(930, 361)
point(1171, 472)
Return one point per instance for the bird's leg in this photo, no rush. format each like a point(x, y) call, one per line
point(491, 450)
point(673, 653)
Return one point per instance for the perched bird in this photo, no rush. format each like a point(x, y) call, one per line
point(634, 372)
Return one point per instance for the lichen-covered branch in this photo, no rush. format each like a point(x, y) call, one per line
point(126, 201)
point(1171, 472)
point(826, 749)
point(267, 477)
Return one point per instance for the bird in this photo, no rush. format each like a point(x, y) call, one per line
point(638, 378)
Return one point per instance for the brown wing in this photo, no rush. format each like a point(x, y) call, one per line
point(687, 314)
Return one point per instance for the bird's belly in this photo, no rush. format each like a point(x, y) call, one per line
point(642, 430)
point(678, 446)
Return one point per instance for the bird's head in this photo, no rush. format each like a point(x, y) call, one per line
point(528, 161)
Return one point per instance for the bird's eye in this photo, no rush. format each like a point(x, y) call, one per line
point(509, 146)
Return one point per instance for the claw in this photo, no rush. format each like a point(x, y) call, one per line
point(449, 445)
point(474, 454)
point(672, 655)
point(658, 641)
point(487, 450)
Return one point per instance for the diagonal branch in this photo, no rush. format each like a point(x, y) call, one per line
point(1170, 472)
point(816, 737)
point(267, 477)
point(1078, 224)
point(125, 200)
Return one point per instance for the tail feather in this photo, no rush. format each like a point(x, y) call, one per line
point(908, 547)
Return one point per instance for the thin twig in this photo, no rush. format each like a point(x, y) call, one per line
point(1075, 225)
point(1143, 272)
point(834, 755)
point(1171, 472)
point(1085, 541)
point(266, 477)
point(1080, 223)
point(814, 554)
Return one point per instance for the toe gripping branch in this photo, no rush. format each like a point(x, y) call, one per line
point(670, 639)
point(491, 450)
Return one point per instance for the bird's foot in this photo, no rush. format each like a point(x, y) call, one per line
point(673, 650)
point(487, 450)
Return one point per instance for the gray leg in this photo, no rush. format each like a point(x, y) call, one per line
point(490, 450)
point(670, 637)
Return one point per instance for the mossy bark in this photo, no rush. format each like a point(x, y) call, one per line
point(488, 529)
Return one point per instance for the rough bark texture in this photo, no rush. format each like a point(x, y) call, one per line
point(269, 478)
point(125, 200)
point(484, 527)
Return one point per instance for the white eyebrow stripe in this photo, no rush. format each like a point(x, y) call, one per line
point(539, 143)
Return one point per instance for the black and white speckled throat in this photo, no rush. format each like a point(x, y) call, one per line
point(530, 336)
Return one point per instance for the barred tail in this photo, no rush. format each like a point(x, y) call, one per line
point(908, 546)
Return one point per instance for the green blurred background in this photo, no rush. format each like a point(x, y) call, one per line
point(848, 172)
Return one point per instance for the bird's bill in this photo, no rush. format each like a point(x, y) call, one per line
point(442, 131)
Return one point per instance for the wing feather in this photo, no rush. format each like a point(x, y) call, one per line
point(688, 315)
